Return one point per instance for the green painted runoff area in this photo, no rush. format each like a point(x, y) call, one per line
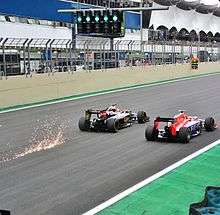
point(174, 192)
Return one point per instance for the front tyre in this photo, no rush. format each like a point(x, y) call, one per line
point(84, 125)
point(209, 124)
point(184, 135)
point(142, 117)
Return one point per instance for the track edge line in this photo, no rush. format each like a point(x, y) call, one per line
point(101, 92)
point(149, 180)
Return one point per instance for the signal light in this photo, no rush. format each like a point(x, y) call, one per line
point(80, 25)
point(106, 18)
point(101, 23)
point(79, 19)
point(97, 19)
point(97, 25)
point(88, 19)
point(115, 18)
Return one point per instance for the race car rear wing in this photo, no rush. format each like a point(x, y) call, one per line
point(164, 119)
point(89, 112)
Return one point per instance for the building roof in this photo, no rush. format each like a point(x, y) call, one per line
point(189, 19)
point(200, 6)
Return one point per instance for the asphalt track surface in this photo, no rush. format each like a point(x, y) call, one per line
point(90, 168)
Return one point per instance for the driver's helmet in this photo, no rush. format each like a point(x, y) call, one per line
point(169, 124)
point(113, 108)
point(103, 115)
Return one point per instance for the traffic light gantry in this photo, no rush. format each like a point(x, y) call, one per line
point(109, 23)
point(103, 22)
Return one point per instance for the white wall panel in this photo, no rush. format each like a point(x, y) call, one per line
point(20, 30)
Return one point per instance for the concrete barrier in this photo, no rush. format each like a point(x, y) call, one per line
point(42, 87)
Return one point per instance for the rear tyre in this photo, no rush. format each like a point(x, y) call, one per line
point(84, 125)
point(112, 125)
point(199, 129)
point(151, 133)
point(209, 124)
point(184, 135)
point(142, 117)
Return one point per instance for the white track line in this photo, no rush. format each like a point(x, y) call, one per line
point(106, 92)
point(149, 180)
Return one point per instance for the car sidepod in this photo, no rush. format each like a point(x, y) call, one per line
point(195, 127)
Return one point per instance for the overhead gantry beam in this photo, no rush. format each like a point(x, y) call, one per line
point(110, 9)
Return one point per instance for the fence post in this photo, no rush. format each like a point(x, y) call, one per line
point(130, 48)
point(2, 65)
point(29, 59)
point(111, 44)
point(85, 55)
point(142, 52)
point(24, 56)
point(4, 58)
point(218, 51)
point(104, 49)
point(198, 47)
point(51, 58)
point(46, 55)
point(190, 49)
point(71, 57)
point(163, 51)
point(172, 52)
point(182, 52)
point(116, 53)
point(118, 49)
point(67, 58)
point(74, 52)
point(152, 53)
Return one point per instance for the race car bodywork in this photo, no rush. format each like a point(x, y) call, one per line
point(181, 127)
point(110, 119)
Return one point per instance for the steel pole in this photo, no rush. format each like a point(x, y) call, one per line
point(141, 25)
point(4, 58)
point(46, 55)
point(0, 65)
point(51, 58)
point(24, 56)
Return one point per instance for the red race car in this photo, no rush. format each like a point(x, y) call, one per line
point(181, 127)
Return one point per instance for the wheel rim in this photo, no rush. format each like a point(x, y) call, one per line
point(116, 126)
point(145, 117)
point(188, 137)
point(212, 122)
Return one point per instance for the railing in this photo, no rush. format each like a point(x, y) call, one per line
point(22, 56)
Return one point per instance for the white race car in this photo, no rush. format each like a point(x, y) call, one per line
point(110, 119)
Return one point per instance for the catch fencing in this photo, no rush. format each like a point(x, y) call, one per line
point(23, 56)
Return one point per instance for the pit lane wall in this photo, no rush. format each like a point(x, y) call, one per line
point(21, 90)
